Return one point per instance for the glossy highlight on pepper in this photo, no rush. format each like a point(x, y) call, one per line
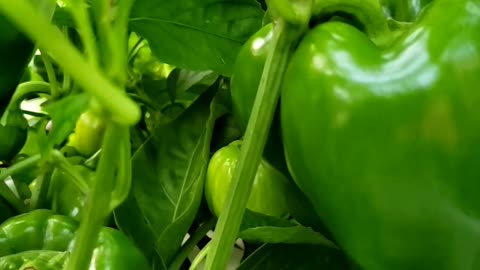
point(42, 230)
point(384, 141)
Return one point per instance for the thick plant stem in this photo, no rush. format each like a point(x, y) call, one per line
point(38, 28)
point(98, 200)
point(191, 243)
point(285, 36)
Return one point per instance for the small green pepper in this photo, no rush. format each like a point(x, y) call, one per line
point(43, 230)
point(268, 195)
point(88, 135)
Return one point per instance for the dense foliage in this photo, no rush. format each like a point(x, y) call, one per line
point(239, 134)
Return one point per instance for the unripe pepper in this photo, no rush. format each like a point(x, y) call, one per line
point(268, 195)
point(42, 230)
point(88, 135)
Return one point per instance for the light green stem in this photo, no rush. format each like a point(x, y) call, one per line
point(123, 181)
point(191, 243)
point(27, 89)
point(38, 28)
point(52, 77)
point(82, 20)
point(285, 37)
point(98, 200)
point(200, 256)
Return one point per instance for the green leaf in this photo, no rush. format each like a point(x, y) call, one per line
point(168, 177)
point(253, 219)
point(259, 228)
point(201, 34)
point(64, 114)
point(297, 257)
point(302, 210)
point(130, 220)
point(181, 81)
point(288, 235)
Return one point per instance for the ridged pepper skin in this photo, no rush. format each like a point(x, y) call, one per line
point(268, 194)
point(43, 230)
point(384, 143)
point(35, 260)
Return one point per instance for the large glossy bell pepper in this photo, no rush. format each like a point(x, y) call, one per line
point(41, 230)
point(383, 137)
point(384, 142)
point(253, 54)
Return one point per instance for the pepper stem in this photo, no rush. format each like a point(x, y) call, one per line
point(368, 13)
point(98, 199)
point(285, 38)
point(191, 243)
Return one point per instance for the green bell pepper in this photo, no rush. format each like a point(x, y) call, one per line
point(384, 142)
point(35, 259)
point(88, 135)
point(42, 230)
point(269, 188)
point(248, 71)
point(67, 198)
point(381, 135)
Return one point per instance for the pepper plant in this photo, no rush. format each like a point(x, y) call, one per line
point(239, 134)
